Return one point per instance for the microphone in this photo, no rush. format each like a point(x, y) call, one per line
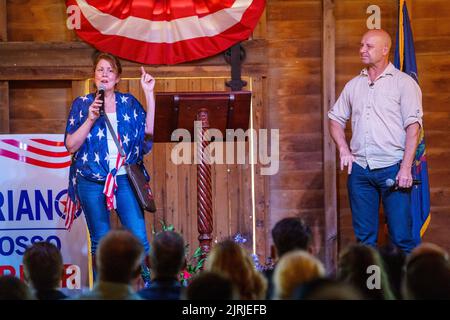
point(392, 183)
point(101, 91)
point(371, 84)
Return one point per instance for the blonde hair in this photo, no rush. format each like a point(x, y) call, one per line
point(231, 260)
point(294, 269)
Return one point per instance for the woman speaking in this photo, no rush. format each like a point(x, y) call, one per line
point(98, 177)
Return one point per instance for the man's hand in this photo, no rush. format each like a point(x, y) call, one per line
point(338, 135)
point(347, 159)
point(404, 177)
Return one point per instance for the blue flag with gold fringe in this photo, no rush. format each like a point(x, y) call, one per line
point(405, 60)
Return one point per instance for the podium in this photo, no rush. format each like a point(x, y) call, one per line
point(216, 110)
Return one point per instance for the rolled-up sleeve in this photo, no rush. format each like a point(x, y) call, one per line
point(411, 102)
point(341, 110)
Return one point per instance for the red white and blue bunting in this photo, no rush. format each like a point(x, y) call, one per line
point(163, 31)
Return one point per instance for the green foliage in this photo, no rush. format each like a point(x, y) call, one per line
point(164, 227)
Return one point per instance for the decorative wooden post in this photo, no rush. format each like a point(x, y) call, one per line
point(204, 189)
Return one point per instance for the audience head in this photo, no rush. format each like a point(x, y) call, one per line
point(11, 288)
point(211, 286)
point(394, 260)
point(326, 289)
point(427, 248)
point(355, 267)
point(167, 254)
point(294, 269)
point(43, 266)
point(233, 261)
point(291, 234)
point(427, 274)
point(119, 257)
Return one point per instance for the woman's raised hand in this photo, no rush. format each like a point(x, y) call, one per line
point(147, 81)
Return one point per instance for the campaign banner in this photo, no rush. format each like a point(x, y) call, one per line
point(33, 189)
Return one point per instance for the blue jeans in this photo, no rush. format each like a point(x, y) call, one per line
point(93, 202)
point(365, 188)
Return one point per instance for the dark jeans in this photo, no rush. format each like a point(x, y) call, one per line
point(365, 188)
point(93, 202)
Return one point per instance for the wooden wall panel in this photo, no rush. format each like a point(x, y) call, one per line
point(431, 28)
point(3, 21)
point(4, 107)
point(432, 38)
point(39, 106)
point(294, 80)
point(38, 20)
point(260, 31)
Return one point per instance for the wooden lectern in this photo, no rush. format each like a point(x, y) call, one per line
point(218, 110)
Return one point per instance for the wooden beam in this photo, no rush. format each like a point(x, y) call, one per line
point(4, 107)
point(73, 61)
point(329, 149)
point(3, 22)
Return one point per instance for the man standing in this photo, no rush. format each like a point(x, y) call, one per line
point(385, 106)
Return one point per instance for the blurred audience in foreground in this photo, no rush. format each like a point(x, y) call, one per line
point(294, 269)
point(11, 288)
point(231, 260)
point(210, 286)
point(167, 258)
point(43, 269)
point(427, 274)
point(356, 266)
point(119, 258)
point(363, 272)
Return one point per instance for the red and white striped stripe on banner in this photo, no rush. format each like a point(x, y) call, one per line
point(42, 153)
point(111, 183)
point(36, 152)
point(166, 32)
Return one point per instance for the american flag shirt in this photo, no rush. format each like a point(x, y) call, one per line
point(92, 159)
